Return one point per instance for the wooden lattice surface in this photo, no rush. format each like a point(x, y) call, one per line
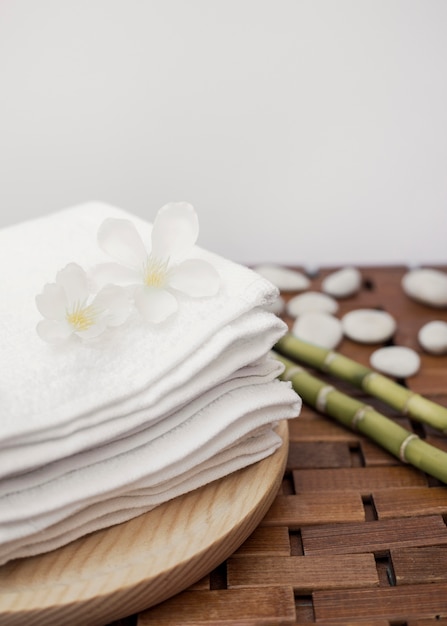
point(354, 536)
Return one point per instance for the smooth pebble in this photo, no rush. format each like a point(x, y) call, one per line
point(433, 337)
point(368, 325)
point(283, 278)
point(342, 283)
point(396, 361)
point(311, 301)
point(318, 328)
point(277, 306)
point(426, 285)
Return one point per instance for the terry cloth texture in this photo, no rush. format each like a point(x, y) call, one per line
point(95, 433)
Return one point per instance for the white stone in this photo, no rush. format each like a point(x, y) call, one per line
point(433, 337)
point(396, 361)
point(284, 278)
point(311, 301)
point(368, 325)
point(426, 285)
point(277, 306)
point(342, 283)
point(321, 329)
point(312, 270)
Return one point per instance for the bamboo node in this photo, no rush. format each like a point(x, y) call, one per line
point(369, 377)
point(320, 403)
point(359, 415)
point(403, 447)
point(330, 356)
point(291, 371)
point(406, 406)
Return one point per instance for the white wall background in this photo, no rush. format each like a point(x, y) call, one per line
point(303, 131)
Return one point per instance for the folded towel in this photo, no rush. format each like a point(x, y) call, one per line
point(258, 374)
point(94, 433)
point(224, 356)
point(178, 451)
point(45, 387)
point(123, 508)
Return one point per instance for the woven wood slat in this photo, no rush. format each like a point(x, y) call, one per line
point(342, 497)
point(398, 503)
point(266, 541)
point(201, 585)
point(392, 603)
point(373, 455)
point(375, 536)
point(319, 454)
point(424, 565)
point(304, 573)
point(274, 605)
point(430, 380)
point(438, 621)
point(361, 479)
point(316, 428)
point(304, 508)
point(439, 442)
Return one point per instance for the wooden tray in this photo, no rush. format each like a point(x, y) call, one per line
point(124, 569)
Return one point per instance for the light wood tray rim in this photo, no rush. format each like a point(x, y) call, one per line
point(124, 569)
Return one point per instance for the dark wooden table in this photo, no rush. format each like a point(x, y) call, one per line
point(354, 536)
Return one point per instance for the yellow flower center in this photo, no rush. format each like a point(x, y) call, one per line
point(155, 272)
point(81, 318)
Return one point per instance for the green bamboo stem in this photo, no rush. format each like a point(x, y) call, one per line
point(399, 441)
point(399, 398)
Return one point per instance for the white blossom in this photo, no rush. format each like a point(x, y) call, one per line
point(69, 308)
point(159, 273)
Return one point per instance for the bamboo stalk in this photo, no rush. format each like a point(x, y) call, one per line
point(399, 398)
point(399, 441)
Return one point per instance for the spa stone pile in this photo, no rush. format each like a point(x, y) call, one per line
point(315, 312)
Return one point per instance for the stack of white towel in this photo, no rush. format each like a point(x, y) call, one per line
point(97, 432)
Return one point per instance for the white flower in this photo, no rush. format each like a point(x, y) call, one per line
point(69, 308)
point(157, 275)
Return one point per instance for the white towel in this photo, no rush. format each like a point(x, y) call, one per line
point(95, 433)
point(249, 338)
point(123, 508)
point(258, 374)
point(186, 446)
point(44, 387)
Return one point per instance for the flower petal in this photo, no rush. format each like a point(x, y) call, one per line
point(175, 230)
point(113, 273)
point(54, 331)
point(155, 305)
point(73, 281)
point(94, 330)
point(116, 303)
point(195, 277)
point(52, 302)
point(120, 239)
